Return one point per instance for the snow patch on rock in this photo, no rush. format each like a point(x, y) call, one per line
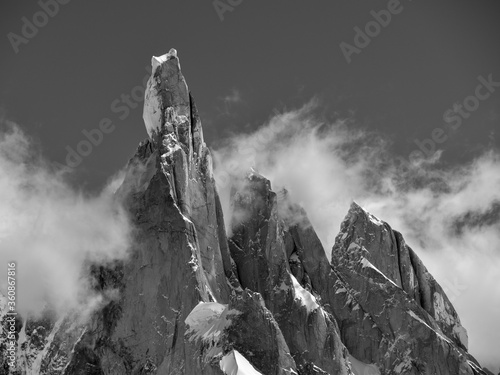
point(234, 363)
point(156, 61)
point(152, 112)
point(367, 264)
point(441, 336)
point(307, 299)
point(206, 322)
point(375, 220)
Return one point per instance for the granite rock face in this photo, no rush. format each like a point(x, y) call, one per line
point(388, 298)
point(263, 264)
point(265, 301)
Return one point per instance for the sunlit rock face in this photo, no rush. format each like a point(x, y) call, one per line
point(265, 301)
point(386, 295)
point(166, 88)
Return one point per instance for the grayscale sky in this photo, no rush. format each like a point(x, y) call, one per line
point(262, 56)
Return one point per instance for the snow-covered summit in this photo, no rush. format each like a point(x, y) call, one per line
point(156, 61)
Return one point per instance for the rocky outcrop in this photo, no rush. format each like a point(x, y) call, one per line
point(413, 324)
point(401, 323)
point(387, 251)
point(265, 301)
point(259, 251)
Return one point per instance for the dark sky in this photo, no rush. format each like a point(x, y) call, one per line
point(272, 54)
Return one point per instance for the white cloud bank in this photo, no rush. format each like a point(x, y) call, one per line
point(325, 166)
point(51, 230)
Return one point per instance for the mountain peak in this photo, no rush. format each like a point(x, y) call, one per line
point(266, 300)
point(357, 211)
point(167, 102)
point(158, 60)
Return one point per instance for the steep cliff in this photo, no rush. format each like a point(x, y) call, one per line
point(266, 301)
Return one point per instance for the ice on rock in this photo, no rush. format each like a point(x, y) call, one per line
point(234, 363)
point(170, 80)
point(207, 322)
point(152, 114)
point(367, 264)
point(375, 220)
point(203, 319)
point(307, 299)
point(355, 207)
point(438, 334)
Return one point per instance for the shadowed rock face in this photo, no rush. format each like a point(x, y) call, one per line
point(191, 301)
point(259, 251)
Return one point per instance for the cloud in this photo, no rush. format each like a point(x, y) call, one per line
point(52, 230)
point(312, 159)
point(325, 166)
